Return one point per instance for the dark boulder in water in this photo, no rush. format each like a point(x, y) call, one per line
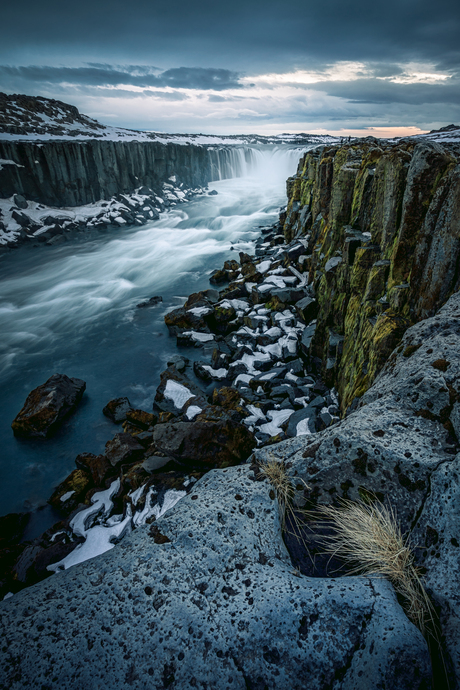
point(117, 409)
point(152, 302)
point(47, 406)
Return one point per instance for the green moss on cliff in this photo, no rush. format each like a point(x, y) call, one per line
point(368, 203)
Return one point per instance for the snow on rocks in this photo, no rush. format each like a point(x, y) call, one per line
point(102, 504)
point(178, 393)
point(255, 337)
point(23, 220)
point(193, 411)
point(105, 529)
point(277, 419)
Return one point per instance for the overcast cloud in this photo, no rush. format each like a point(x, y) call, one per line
point(241, 66)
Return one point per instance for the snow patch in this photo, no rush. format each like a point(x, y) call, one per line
point(178, 393)
point(193, 411)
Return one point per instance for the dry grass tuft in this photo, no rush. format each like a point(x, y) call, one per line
point(369, 539)
point(276, 474)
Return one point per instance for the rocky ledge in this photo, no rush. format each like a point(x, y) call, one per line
point(381, 224)
point(207, 597)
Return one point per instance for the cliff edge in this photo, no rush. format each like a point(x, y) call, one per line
point(382, 220)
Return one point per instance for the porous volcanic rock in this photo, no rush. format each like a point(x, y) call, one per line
point(47, 406)
point(400, 447)
point(218, 607)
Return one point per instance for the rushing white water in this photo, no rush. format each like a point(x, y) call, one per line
point(72, 309)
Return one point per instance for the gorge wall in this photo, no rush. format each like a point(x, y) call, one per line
point(382, 220)
point(71, 173)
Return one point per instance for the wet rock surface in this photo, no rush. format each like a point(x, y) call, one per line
point(47, 406)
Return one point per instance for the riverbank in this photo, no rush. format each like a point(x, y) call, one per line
point(256, 389)
point(24, 221)
point(71, 308)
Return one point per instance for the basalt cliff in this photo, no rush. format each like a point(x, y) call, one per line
point(383, 227)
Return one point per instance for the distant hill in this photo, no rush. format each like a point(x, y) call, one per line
point(44, 119)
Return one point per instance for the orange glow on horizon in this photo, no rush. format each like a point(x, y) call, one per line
point(378, 132)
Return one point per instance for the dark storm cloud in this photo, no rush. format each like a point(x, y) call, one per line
point(105, 75)
point(210, 47)
point(384, 92)
point(243, 34)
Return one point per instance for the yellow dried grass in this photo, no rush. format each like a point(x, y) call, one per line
point(368, 538)
point(275, 472)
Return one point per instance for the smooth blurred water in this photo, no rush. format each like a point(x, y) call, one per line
point(71, 309)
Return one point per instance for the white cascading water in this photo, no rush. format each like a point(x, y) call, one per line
point(71, 309)
point(243, 161)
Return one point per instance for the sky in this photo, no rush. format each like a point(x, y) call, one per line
point(358, 67)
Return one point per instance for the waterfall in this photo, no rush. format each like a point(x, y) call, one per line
point(261, 161)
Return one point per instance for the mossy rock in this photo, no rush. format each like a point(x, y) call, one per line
point(141, 419)
point(71, 491)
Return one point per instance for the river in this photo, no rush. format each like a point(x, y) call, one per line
point(71, 309)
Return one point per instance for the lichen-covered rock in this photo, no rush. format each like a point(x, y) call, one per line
point(175, 390)
point(227, 397)
point(98, 466)
point(144, 420)
point(207, 597)
point(123, 449)
point(71, 491)
point(218, 276)
point(381, 224)
point(47, 406)
point(183, 319)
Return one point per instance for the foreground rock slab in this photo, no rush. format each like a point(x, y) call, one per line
point(401, 447)
point(47, 406)
point(207, 597)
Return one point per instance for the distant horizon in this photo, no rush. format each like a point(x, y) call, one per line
point(383, 132)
